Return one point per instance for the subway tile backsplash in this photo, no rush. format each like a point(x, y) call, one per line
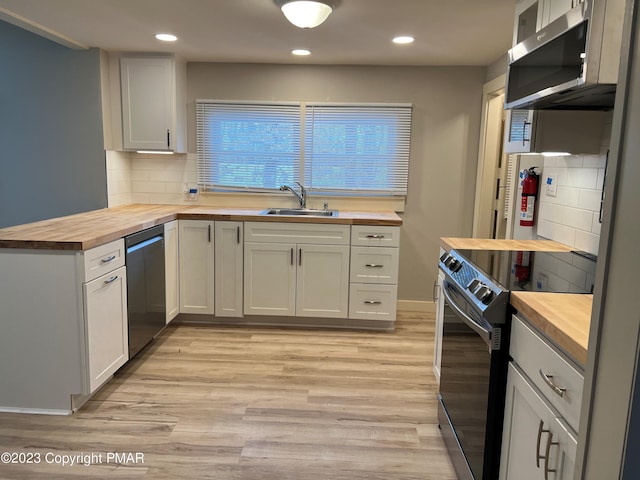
point(149, 178)
point(571, 215)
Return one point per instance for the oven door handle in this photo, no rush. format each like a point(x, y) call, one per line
point(483, 332)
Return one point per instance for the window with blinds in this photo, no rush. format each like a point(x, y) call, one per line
point(247, 146)
point(357, 148)
point(346, 149)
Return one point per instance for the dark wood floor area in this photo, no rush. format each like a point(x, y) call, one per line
point(236, 403)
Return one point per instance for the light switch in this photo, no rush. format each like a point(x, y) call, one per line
point(551, 182)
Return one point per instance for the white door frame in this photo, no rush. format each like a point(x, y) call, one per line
point(490, 90)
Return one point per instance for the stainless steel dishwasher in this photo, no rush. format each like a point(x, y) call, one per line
point(146, 299)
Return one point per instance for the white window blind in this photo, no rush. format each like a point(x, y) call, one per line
point(247, 146)
point(357, 148)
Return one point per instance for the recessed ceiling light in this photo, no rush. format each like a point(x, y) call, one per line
point(301, 52)
point(166, 37)
point(403, 40)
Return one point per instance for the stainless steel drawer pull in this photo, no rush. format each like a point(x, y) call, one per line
point(108, 259)
point(375, 236)
point(372, 302)
point(548, 470)
point(541, 430)
point(374, 265)
point(548, 379)
point(111, 280)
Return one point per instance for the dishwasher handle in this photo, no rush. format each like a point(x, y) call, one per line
point(145, 243)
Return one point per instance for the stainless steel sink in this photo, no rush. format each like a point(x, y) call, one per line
point(300, 211)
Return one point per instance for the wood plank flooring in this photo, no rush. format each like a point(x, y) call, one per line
point(244, 403)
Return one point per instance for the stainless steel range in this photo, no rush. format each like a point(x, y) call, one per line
point(475, 343)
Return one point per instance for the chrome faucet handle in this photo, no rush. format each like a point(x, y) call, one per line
point(303, 195)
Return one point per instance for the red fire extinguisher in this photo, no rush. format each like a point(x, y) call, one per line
point(529, 194)
point(522, 268)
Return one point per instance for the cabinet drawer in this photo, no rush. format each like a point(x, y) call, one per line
point(537, 358)
point(372, 236)
point(374, 265)
point(277, 232)
point(103, 259)
point(373, 302)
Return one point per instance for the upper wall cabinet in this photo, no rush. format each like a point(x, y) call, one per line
point(570, 131)
point(153, 103)
point(532, 15)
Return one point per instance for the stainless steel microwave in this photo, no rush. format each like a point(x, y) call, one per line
point(572, 63)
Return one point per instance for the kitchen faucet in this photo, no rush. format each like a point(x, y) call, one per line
point(302, 196)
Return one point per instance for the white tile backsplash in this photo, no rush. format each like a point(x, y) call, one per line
point(571, 216)
point(118, 178)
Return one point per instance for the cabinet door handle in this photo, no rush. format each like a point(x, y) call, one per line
point(111, 280)
point(372, 302)
point(108, 259)
point(375, 236)
point(541, 430)
point(168, 139)
point(435, 291)
point(209, 232)
point(548, 470)
point(291, 255)
point(299, 256)
point(374, 265)
point(548, 379)
point(524, 133)
point(238, 234)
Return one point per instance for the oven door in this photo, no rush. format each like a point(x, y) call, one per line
point(471, 388)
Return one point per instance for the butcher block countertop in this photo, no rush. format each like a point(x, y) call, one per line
point(83, 231)
point(564, 318)
point(449, 243)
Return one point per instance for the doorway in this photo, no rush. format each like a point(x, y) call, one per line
point(490, 212)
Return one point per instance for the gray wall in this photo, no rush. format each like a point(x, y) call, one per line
point(52, 149)
point(446, 123)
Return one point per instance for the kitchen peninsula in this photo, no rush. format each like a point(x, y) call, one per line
point(65, 304)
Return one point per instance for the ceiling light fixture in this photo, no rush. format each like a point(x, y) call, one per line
point(301, 52)
point(403, 40)
point(306, 13)
point(166, 37)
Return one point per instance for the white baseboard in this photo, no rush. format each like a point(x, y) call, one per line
point(37, 411)
point(416, 306)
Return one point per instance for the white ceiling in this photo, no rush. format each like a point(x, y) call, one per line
point(358, 32)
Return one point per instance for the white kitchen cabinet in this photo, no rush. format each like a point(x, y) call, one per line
point(528, 19)
point(374, 263)
point(574, 132)
point(153, 104)
point(197, 274)
point(542, 409)
point(554, 9)
point(534, 438)
point(322, 281)
point(229, 260)
point(172, 285)
point(105, 304)
point(269, 279)
point(296, 269)
point(296, 280)
point(437, 346)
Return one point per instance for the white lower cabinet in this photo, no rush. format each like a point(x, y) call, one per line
point(372, 301)
point(105, 304)
point(296, 280)
point(536, 444)
point(541, 417)
point(196, 246)
point(171, 265)
point(229, 259)
point(269, 279)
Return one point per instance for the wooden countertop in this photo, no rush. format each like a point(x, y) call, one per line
point(90, 229)
point(564, 318)
point(449, 243)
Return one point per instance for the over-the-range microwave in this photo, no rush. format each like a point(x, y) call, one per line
point(572, 63)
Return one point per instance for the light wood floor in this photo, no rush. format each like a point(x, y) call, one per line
point(241, 403)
